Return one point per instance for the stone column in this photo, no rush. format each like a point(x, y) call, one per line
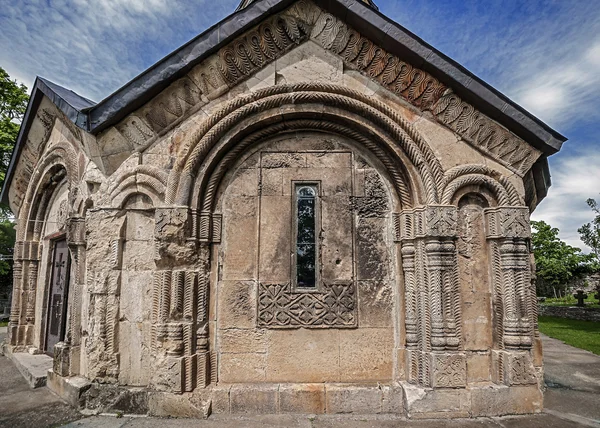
point(508, 231)
point(180, 299)
point(433, 333)
point(67, 353)
point(25, 275)
point(103, 283)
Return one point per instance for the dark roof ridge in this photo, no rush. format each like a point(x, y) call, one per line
point(373, 24)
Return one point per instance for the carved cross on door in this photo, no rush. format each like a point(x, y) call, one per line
point(60, 275)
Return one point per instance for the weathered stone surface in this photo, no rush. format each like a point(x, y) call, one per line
point(182, 229)
point(424, 403)
point(478, 367)
point(344, 398)
point(239, 367)
point(115, 399)
point(254, 399)
point(367, 354)
point(70, 389)
point(501, 400)
point(163, 404)
point(303, 356)
point(302, 398)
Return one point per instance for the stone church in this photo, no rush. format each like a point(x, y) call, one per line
point(305, 209)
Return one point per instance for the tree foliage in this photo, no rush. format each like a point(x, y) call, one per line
point(557, 263)
point(13, 104)
point(590, 232)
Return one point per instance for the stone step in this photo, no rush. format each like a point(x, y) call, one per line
point(34, 368)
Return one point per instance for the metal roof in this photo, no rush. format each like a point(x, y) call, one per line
point(388, 34)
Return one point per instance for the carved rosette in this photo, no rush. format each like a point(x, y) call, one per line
point(429, 259)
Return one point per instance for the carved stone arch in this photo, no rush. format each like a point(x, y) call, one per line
point(479, 175)
point(382, 118)
point(255, 130)
point(60, 154)
point(58, 167)
point(143, 179)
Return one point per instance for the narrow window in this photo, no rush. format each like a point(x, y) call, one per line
point(306, 243)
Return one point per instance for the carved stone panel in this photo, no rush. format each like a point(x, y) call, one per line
point(508, 222)
point(280, 307)
point(449, 371)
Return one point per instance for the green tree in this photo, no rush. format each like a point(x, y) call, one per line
point(13, 104)
point(590, 232)
point(557, 263)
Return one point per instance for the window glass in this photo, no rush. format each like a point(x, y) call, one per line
point(306, 248)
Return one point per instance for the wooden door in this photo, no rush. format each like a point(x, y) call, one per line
point(59, 290)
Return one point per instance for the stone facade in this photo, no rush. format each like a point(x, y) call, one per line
point(179, 221)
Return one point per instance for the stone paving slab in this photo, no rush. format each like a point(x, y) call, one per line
point(291, 421)
point(23, 407)
point(34, 368)
point(569, 367)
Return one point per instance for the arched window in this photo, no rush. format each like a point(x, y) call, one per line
point(305, 235)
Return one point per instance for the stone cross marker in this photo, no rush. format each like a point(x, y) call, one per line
point(580, 296)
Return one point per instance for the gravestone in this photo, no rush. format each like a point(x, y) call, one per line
point(580, 296)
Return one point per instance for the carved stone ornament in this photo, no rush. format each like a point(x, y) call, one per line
point(280, 307)
point(425, 92)
point(430, 221)
point(508, 222)
point(450, 370)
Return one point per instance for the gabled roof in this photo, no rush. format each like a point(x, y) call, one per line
point(246, 3)
point(357, 13)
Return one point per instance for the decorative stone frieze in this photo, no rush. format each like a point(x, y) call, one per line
point(513, 368)
point(508, 222)
point(333, 306)
point(424, 92)
point(449, 370)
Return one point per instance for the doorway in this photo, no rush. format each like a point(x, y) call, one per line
point(59, 291)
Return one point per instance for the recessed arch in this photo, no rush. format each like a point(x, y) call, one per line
point(307, 101)
point(463, 176)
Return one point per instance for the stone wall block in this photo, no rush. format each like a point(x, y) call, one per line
point(302, 398)
point(254, 399)
point(162, 404)
point(359, 399)
point(392, 399)
point(502, 400)
point(478, 367)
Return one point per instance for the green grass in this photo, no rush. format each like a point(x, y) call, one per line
point(569, 300)
point(4, 324)
point(580, 334)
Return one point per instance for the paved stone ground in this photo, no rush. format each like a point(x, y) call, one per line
point(572, 401)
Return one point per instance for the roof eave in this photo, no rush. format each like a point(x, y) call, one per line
point(41, 88)
point(177, 64)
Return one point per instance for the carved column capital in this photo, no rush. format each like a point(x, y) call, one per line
point(27, 250)
point(439, 221)
point(507, 222)
point(76, 231)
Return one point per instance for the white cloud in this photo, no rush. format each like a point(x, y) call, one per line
point(95, 47)
point(575, 179)
point(566, 90)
